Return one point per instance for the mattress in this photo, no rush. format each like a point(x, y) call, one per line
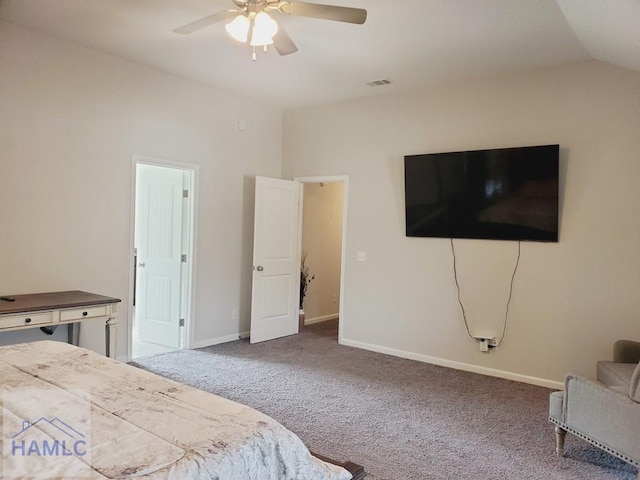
point(68, 412)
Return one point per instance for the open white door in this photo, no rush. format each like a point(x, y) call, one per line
point(159, 250)
point(276, 260)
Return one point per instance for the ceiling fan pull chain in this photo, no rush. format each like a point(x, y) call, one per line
point(253, 57)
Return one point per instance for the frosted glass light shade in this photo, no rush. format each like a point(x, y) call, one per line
point(264, 28)
point(238, 28)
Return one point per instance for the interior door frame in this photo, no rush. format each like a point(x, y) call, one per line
point(343, 254)
point(190, 247)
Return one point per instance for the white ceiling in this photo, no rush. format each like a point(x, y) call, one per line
point(413, 43)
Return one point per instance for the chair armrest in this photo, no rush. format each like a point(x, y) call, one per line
point(603, 414)
point(626, 351)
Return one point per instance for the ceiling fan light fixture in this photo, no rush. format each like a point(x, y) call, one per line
point(252, 23)
point(264, 29)
point(238, 28)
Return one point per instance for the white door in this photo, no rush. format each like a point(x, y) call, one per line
point(276, 260)
point(158, 239)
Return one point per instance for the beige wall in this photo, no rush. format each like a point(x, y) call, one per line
point(70, 121)
point(571, 299)
point(322, 240)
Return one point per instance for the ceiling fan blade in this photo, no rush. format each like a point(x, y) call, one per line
point(205, 22)
point(326, 12)
point(283, 43)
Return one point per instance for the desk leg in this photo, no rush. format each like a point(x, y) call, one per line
point(73, 333)
point(110, 334)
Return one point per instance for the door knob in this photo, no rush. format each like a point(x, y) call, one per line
point(142, 264)
point(259, 268)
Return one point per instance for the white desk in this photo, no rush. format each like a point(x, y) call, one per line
point(61, 308)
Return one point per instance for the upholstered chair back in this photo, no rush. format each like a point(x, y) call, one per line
point(634, 386)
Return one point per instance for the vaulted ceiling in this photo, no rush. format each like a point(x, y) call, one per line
point(411, 43)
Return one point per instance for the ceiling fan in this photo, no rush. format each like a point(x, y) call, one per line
point(252, 22)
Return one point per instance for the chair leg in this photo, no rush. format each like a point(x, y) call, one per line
point(560, 433)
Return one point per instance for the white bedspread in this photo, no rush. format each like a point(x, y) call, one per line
point(141, 425)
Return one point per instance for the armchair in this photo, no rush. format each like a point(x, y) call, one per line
point(605, 412)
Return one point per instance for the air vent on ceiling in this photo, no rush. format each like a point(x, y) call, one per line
point(379, 83)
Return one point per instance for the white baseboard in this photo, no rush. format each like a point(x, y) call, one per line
point(467, 367)
point(217, 340)
point(231, 338)
point(323, 318)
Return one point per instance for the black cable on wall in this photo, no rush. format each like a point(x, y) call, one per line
point(506, 314)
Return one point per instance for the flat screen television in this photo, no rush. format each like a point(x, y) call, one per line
point(499, 194)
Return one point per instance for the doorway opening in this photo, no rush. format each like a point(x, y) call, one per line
point(162, 251)
point(322, 246)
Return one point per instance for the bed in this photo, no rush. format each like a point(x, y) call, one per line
point(69, 412)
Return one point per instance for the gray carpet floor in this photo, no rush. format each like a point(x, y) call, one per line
point(399, 418)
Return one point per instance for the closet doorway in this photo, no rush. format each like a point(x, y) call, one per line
point(322, 245)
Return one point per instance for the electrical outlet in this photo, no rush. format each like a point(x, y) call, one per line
point(486, 343)
point(334, 298)
point(234, 314)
